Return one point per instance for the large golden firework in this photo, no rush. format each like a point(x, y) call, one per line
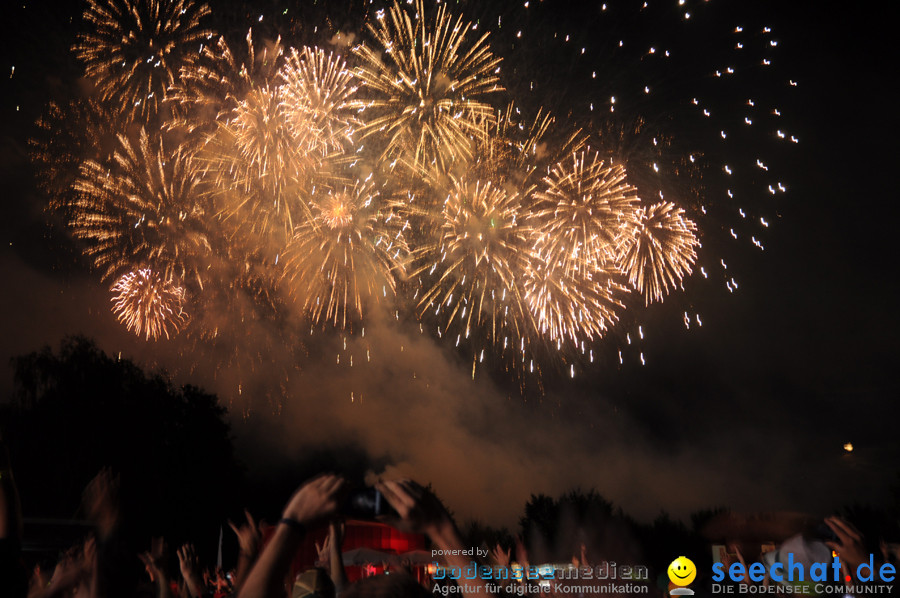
point(231, 102)
point(584, 212)
point(58, 148)
point(134, 50)
point(477, 265)
point(661, 251)
point(426, 84)
point(280, 140)
point(572, 306)
point(148, 304)
point(346, 255)
point(258, 171)
point(212, 88)
point(526, 240)
point(144, 208)
point(317, 92)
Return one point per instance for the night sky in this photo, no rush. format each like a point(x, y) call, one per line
point(750, 410)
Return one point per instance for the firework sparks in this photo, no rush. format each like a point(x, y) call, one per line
point(513, 151)
point(662, 250)
point(257, 169)
point(210, 90)
point(148, 304)
point(571, 307)
point(317, 91)
point(58, 150)
point(144, 208)
point(482, 252)
point(427, 85)
point(584, 212)
point(282, 181)
point(259, 172)
point(346, 255)
point(135, 49)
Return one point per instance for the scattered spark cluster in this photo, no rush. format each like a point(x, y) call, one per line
point(133, 51)
point(661, 252)
point(401, 173)
point(149, 305)
point(141, 208)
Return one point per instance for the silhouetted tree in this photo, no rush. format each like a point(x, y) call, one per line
point(77, 410)
point(667, 538)
point(539, 523)
point(476, 533)
point(556, 529)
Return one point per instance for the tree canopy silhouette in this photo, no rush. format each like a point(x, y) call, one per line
point(78, 410)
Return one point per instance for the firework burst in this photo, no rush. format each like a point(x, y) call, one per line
point(513, 150)
point(569, 307)
point(427, 83)
point(135, 49)
point(58, 149)
point(346, 255)
point(481, 255)
point(524, 242)
point(661, 251)
point(585, 210)
point(232, 103)
point(317, 92)
point(148, 304)
point(212, 89)
point(144, 208)
point(258, 171)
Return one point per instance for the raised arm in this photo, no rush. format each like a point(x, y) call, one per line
point(314, 502)
point(419, 510)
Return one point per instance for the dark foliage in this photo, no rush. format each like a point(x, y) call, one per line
point(78, 410)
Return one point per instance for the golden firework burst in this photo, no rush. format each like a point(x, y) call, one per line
point(146, 207)
point(346, 255)
point(584, 212)
point(661, 250)
point(317, 91)
point(482, 253)
point(135, 50)
point(148, 304)
point(426, 82)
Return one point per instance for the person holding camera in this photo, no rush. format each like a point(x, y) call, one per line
point(318, 501)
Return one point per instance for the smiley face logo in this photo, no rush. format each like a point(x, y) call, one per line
point(682, 571)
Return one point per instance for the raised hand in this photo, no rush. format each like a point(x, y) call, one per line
point(312, 503)
point(153, 559)
point(248, 535)
point(101, 501)
point(323, 551)
point(500, 556)
point(850, 544)
point(190, 570)
point(315, 500)
point(418, 510)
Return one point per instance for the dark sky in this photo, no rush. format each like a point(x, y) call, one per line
point(750, 410)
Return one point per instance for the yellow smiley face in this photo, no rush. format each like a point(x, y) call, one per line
point(682, 571)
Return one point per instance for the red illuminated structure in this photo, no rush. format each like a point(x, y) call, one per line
point(369, 548)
